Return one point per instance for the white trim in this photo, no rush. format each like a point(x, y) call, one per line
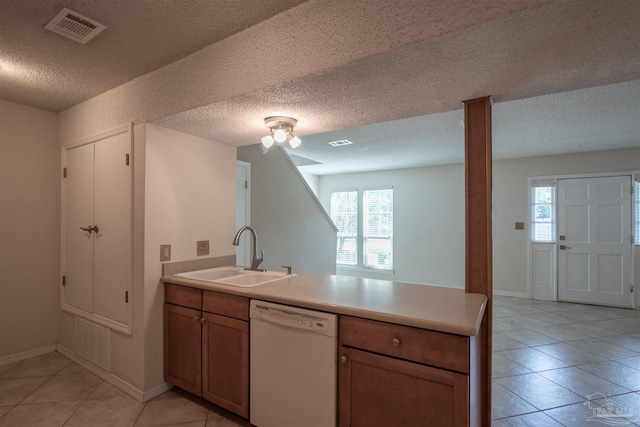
point(128, 127)
point(110, 323)
point(306, 184)
point(12, 358)
point(634, 175)
point(247, 201)
point(511, 294)
point(130, 389)
point(101, 320)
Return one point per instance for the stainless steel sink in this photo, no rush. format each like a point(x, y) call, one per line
point(235, 276)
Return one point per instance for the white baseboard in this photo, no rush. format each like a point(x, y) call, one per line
point(511, 294)
point(130, 389)
point(27, 354)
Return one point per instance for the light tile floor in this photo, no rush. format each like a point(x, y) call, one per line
point(548, 358)
point(52, 391)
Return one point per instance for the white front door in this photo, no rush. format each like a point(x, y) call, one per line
point(594, 240)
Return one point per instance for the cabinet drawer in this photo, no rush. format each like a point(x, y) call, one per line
point(226, 305)
point(183, 295)
point(418, 345)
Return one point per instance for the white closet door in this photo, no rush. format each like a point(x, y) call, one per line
point(112, 246)
point(78, 289)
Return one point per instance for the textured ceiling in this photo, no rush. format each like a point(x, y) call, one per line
point(335, 65)
point(593, 119)
point(141, 36)
point(559, 47)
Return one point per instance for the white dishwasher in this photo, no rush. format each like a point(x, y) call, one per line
point(292, 366)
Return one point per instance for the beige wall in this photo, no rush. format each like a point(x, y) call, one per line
point(184, 191)
point(510, 204)
point(189, 196)
point(29, 228)
point(292, 228)
point(429, 213)
point(428, 223)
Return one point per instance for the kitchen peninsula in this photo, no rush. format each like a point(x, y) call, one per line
point(406, 353)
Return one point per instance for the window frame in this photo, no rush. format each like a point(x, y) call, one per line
point(355, 236)
point(360, 255)
point(542, 183)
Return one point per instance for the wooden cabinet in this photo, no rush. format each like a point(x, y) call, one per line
point(183, 348)
point(206, 345)
point(397, 375)
point(225, 356)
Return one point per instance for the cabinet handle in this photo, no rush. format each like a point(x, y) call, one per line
point(395, 342)
point(90, 229)
point(343, 359)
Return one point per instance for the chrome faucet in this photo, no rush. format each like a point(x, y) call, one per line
point(255, 261)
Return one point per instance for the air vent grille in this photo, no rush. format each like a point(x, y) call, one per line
point(340, 143)
point(74, 26)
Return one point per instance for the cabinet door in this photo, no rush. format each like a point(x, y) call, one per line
point(377, 390)
point(112, 214)
point(183, 348)
point(78, 212)
point(225, 361)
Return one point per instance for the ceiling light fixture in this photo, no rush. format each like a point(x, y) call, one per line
point(280, 131)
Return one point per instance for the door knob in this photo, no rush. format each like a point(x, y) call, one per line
point(90, 229)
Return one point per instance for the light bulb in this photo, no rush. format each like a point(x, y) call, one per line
point(267, 141)
point(295, 142)
point(280, 135)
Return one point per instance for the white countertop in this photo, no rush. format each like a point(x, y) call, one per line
point(423, 306)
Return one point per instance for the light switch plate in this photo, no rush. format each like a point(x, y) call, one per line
point(203, 247)
point(519, 225)
point(165, 252)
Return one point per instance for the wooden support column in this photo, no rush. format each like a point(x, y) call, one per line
point(478, 246)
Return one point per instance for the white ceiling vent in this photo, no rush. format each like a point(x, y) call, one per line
point(74, 26)
point(340, 143)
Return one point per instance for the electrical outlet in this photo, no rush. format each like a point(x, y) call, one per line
point(203, 247)
point(519, 225)
point(165, 252)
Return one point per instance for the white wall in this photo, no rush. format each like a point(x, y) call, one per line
point(29, 229)
point(510, 204)
point(429, 213)
point(292, 228)
point(184, 191)
point(428, 235)
point(189, 196)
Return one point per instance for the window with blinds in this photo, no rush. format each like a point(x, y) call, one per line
point(543, 215)
point(344, 213)
point(377, 232)
point(365, 226)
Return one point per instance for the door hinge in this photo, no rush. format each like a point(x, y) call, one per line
point(246, 184)
point(64, 280)
point(126, 297)
point(64, 172)
point(127, 159)
point(631, 288)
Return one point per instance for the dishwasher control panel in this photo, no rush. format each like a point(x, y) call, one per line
point(294, 317)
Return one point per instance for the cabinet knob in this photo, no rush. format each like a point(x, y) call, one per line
point(395, 342)
point(196, 318)
point(343, 359)
point(202, 320)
